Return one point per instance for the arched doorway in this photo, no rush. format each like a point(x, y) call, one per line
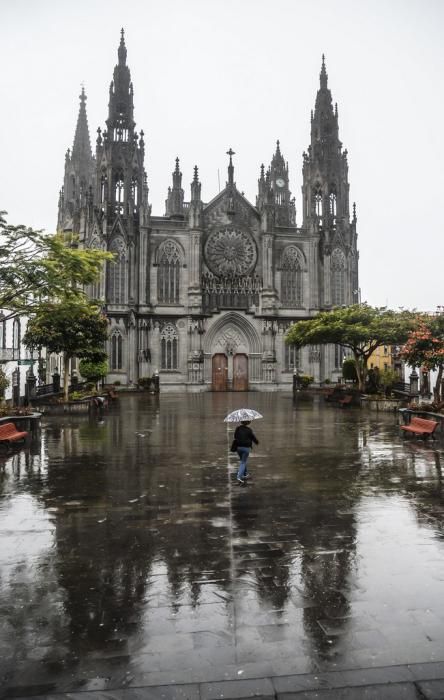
point(232, 353)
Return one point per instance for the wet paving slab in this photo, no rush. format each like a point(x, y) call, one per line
point(129, 555)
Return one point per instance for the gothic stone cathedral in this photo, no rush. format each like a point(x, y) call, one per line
point(205, 294)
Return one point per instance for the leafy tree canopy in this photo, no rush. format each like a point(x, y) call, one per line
point(74, 328)
point(93, 370)
point(425, 347)
point(360, 327)
point(36, 267)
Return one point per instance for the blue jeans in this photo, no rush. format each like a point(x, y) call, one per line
point(243, 453)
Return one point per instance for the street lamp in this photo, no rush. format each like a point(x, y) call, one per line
point(357, 293)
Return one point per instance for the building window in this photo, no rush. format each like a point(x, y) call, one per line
point(135, 191)
point(292, 358)
point(338, 277)
point(332, 201)
point(117, 273)
point(318, 202)
point(103, 188)
point(16, 339)
point(116, 351)
point(169, 347)
point(119, 192)
point(291, 277)
point(168, 274)
point(340, 355)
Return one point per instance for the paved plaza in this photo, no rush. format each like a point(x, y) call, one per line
point(133, 566)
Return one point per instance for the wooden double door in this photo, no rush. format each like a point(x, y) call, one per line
point(225, 380)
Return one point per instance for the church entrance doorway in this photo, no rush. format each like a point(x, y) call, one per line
point(240, 372)
point(220, 372)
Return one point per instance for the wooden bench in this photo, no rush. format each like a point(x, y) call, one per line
point(420, 426)
point(345, 400)
point(9, 433)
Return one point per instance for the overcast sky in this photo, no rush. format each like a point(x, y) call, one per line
point(213, 74)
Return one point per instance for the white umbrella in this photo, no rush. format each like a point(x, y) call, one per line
point(242, 414)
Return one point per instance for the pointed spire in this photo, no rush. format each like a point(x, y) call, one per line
point(120, 120)
point(195, 186)
point(81, 149)
point(122, 49)
point(174, 202)
point(323, 75)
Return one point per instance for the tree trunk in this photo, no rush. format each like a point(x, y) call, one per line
point(437, 391)
point(361, 372)
point(66, 359)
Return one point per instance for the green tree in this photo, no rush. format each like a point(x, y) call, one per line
point(425, 348)
point(360, 327)
point(4, 383)
point(93, 371)
point(349, 369)
point(35, 267)
point(75, 328)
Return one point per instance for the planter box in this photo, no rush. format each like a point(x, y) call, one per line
point(29, 423)
point(386, 405)
point(56, 409)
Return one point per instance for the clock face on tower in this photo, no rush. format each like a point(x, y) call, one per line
point(280, 182)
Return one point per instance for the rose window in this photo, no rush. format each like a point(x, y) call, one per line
point(230, 252)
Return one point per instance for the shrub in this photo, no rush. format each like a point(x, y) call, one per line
point(349, 369)
point(305, 380)
point(145, 382)
point(4, 382)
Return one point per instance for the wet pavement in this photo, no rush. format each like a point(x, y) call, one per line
point(130, 557)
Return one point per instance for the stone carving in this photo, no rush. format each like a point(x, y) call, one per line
point(230, 340)
point(230, 252)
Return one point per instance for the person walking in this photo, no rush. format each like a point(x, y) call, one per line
point(244, 437)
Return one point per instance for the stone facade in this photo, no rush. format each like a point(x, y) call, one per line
point(205, 294)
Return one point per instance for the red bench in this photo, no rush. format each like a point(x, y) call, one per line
point(9, 433)
point(420, 426)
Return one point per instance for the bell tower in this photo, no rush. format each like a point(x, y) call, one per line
point(326, 209)
point(274, 190)
point(120, 179)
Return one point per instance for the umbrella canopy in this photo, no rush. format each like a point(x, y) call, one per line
point(242, 414)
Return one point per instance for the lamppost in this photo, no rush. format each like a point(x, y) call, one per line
point(357, 295)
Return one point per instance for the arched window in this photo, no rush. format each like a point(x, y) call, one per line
point(116, 351)
point(292, 358)
point(119, 191)
point(168, 273)
point(338, 277)
point(135, 190)
point(117, 273)
point(169, 347)
point(103, 188)
point(16, 339)
point(332, 200)
point(291, 277)
point(317, 194)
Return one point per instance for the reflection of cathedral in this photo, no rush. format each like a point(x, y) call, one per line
point(205, 293)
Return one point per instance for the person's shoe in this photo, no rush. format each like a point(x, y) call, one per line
point(241, 481)
point(247, 476)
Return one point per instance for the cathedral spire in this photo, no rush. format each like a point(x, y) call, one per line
point(81, 149)
point(323, 77)
point(79, 169)
point(122, 49)
point(120, 120)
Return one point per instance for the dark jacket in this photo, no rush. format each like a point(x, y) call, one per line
point(244, 436)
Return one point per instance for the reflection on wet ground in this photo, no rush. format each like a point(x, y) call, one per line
point(129, 556)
